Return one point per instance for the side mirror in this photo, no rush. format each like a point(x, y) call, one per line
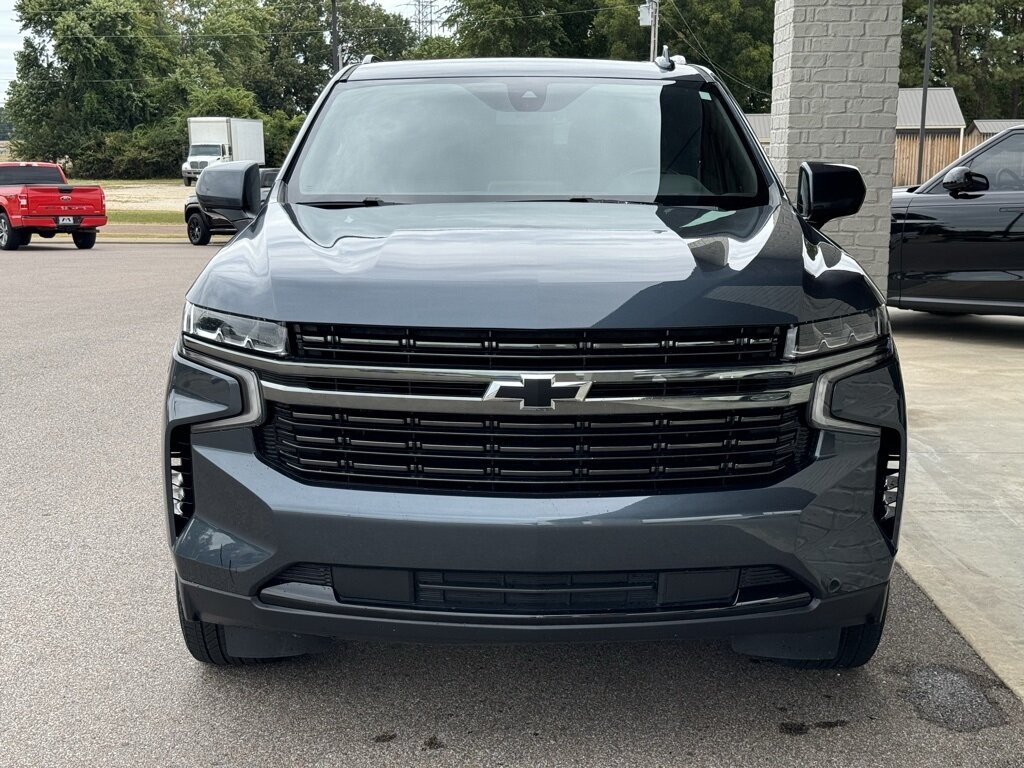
point(829, 191)
point(268, 176)
point(962, 179)
point(231, 190)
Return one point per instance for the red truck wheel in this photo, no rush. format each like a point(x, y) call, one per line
point(10, 239)
point(84, 240)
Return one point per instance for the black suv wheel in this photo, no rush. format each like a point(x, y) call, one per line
point(857, 645)
point(205, 641)
point(198, 229)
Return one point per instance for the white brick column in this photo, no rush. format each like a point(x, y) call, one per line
point(834, 91)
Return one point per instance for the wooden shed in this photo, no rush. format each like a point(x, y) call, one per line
point(983, 130)
point(944, 133)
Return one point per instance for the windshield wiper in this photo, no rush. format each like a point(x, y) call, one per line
point(609, 200)
point(366, 202)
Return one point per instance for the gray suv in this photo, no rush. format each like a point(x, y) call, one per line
point(532, 350)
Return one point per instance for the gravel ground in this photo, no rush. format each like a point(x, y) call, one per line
point(94, 672)
point(160, 195)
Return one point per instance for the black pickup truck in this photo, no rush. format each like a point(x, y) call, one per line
point(201, 224)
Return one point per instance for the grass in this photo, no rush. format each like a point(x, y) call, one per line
point(146, 217)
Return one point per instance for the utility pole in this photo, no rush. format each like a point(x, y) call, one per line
point(335, 43)
point(924, 93)
point(423, 18)
point(648, 15)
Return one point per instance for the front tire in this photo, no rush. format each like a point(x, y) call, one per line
point(205, 641)
point(857, 645)
point(84, 240)
point(198, 229)
point(187, 180)
point(10, 239)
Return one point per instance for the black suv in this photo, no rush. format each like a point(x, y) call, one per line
point(533, 350)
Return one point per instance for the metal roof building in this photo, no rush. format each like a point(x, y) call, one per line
point(944, 133)
point(944, 111)
point(983, 130)
point(762, 125)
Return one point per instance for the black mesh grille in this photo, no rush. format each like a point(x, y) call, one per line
point(557, 592)
point(543, 455)
point(305, 573)
point(536, 592)
point(530, 350)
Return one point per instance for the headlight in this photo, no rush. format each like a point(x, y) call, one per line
point(834, 334)
point(249, 333)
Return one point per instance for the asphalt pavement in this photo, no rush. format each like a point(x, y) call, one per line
point(93, 671)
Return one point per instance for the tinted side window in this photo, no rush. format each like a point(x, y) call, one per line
point(1003, 164)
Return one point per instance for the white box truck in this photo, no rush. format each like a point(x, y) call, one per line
point(219, 139)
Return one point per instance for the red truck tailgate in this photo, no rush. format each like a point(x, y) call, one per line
point(54, 200)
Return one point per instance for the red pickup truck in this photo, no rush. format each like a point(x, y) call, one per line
point(36, 199)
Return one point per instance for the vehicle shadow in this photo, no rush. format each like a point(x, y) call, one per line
point(657, 703)
point(958, 329)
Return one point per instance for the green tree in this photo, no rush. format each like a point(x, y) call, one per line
point(733, 38)
point(297, 61)
point(617, 33)
point(234, 34)
point(436, 47)
point(84, 68)
point(366, 28)
point(507, 27)
point(977, 49)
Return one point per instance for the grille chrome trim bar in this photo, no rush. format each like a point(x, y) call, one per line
point(388, 402)
point(781, 372)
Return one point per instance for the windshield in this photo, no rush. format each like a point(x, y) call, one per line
point(204, 150)
point(527, 138)
point(30, 174)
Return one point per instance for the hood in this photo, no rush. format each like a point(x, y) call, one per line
point(901, 197)
point(533, 265)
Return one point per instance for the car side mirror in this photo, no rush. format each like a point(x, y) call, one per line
point(963, 179)
point(829, 191)
point(268, 176)
point(231, 190)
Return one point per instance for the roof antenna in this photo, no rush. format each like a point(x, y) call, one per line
point(664, 61)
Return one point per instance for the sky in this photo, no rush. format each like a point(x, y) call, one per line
point(10, 41)
point(10, 37)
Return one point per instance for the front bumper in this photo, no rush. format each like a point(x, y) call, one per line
point(250, 523)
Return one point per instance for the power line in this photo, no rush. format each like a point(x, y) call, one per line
point(701, 49)
point(182, 35)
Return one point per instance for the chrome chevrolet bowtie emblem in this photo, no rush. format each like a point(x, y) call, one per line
point(537, 392)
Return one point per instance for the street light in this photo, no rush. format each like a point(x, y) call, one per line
point(924, 92)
